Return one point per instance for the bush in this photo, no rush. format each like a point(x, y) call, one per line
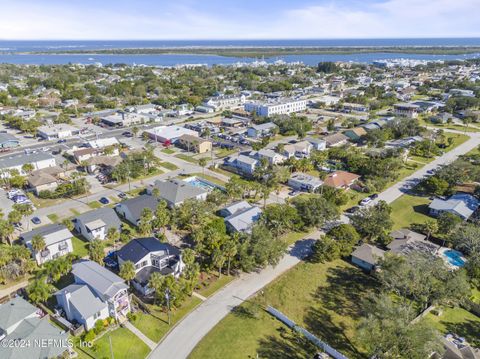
point(131, 316)
point(90, 336)
point(99, 326)
point(324, 250)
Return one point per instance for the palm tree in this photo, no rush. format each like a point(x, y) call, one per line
point(218, 260)
point(230, 250)
point(95, 251)
point(127, 271)
point(27, 168)
point(156, 283)
point(203, 162)
point(430, 227)
point(135, 130)
point(113, 236)
point(38, 243)
point(39, 290)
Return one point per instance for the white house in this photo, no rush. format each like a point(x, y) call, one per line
point(82, 305)
point(264, 129)
point(38, 160)
point(107, 286)
point(149, 255)
point(406, 110)
point(169, 133)
point(304, 182)
point(58, 242)
point(96, 224)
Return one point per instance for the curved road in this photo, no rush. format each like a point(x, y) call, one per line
point(183, 338)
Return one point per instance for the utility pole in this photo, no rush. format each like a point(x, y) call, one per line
point(111, 349)
point(167, 297)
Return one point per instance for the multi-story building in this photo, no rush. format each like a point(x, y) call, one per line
point(406, 110)
point(280, 107)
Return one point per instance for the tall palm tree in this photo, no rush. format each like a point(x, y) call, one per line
point(38, 243)
point(230, 250)
point(127, 271)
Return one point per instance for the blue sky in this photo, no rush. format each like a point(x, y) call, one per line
point(240, 19)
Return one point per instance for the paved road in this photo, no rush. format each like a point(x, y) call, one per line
point(189, 332)
point(185, 336)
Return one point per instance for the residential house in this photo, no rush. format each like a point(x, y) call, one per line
point(304, 182)
point(107, 286)
point(46, 179)
point(241, 163)
point(8, 141)
point(240, 216)
point(356, 107)
point(58, 242)
point(263, 130)
point(341, 180)
point(404, 142)
point(460, 204)
point(38, 160)
point(131, 209)
point(194, 144)
point(149, 255)
point(96, 224)
point(82, 305)
point(300, 149)
point(175, 191)
point(102, 143)
point(21, 322)
point(406, 241)
point(271, 156)
point(318, 144)
point(355, 134)
point(367, 256)
point(336, 140)
point(85, 154)
point(406, 110)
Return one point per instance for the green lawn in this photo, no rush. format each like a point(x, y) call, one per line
point(458, 321)
point(324, 298)
point(457, 140)
point(168, 151)
point(169, 166)
point(74, 211)
point(224, 152)
point(292, 237)
point(80, 247)
point(187, 158)
point(94, 204)
point(155, 324)
point(125, 345)
point(409, 209)
point(213, 284)
point(53, 217)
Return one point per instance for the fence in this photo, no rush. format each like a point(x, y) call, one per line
point(291, 324)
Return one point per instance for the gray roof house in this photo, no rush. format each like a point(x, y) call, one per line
point(460, 204)
point(96, 224)
point(234, 208)
point(241, 163)
point(149, 255)
point(406, 241)
point(131, 209)
point(366, 256)
point(106, 285)
point(82, 305)
point(304, 182)
point(38, 160)
point(58, 242)
point(19, 320)
point(175, 191)
point(243, 219)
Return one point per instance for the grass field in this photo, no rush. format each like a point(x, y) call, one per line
point(187, 158)
point(155, 325)
point(80, 247)
point(94, 204)
point(124, 343)
point(324, 298)
point(168, 166)
point(409, 209)
point(53, 217)
point(213, 284)
point(458, 321)
point(168, 151)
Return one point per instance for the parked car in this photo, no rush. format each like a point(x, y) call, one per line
point(36, 220)
point(62, 140)
point(365, 201)
point(352, 210)
point(374, 196)
point(122, 195)
point(104, 200)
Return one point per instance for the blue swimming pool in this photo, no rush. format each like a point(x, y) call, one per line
point(454, 257)
point(197, 182)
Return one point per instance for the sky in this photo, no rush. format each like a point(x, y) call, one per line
point(238, 19)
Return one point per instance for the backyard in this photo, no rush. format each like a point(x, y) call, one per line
point(324, 298)
point(409, 209)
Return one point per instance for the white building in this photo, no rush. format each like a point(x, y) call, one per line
point(281, 107)
point(225, 101)
point(103, 142)
point(57, 131)
point(38, 160)
point(169, 133)
point(57, 238)
point(406, 110)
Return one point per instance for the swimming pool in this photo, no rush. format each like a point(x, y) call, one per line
point(455, 258)
point(200, 183)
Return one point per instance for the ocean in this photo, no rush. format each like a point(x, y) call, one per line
point(16, 52)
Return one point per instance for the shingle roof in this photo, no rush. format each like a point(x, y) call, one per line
point(138, 248)
point(51, 233)
point(368, 253)
point(98, 278)
point(340, 178)
point(137, 204)
point(242, 221)
point(83, 299)
point(176, 191)
point(14, 311)
point(106, 214)
point(461, 203)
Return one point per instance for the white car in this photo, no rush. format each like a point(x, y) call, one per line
point(365, 201)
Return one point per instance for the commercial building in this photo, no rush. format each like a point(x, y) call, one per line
point(281, 107)
point(169, 133)
point(224, 101)
point(194, 144)
point(57, 131)
point(7, 141)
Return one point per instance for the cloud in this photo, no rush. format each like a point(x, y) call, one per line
point(213, 19)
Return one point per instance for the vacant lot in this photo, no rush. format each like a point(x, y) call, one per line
point(324, 298)
point(409, 209)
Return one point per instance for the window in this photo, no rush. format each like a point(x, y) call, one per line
point(96, 315)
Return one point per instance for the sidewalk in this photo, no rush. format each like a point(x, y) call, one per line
point(150, 343)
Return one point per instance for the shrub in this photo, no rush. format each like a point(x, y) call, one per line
point(89, 336)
